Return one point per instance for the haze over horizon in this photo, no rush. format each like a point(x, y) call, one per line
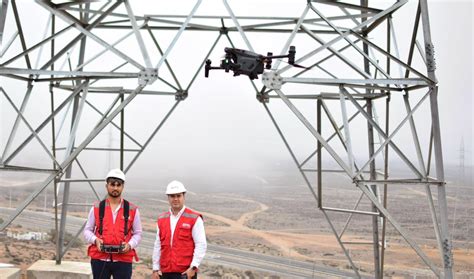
point(221, 128)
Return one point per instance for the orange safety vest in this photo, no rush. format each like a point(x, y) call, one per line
point(113, 234)
point(177, 258)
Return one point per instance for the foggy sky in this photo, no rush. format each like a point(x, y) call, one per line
point(221, 127)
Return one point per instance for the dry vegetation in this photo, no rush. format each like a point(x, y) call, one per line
point(23, 253)
point(284, 221)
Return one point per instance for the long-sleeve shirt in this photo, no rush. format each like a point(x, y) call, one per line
point(89, 229)
point(199, 237)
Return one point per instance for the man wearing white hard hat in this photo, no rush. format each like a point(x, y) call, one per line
point(180, 243)
point(113, 240)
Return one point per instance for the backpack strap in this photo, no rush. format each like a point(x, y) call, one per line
point(126, 213)
point(101, 215)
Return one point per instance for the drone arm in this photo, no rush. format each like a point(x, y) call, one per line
point(275, 56)
point(208, 67)
point(206, 70)
point(290, 55)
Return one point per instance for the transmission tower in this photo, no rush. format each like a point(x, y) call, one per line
point(97, 58)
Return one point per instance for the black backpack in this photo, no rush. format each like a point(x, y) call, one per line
point(126, 212)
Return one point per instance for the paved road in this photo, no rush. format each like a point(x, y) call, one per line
point(216, 254)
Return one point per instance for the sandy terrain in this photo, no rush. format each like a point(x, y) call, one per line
point(23, 253)
point(283, 220)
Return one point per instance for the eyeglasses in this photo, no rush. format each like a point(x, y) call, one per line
point(175, 196)
point(115, 182)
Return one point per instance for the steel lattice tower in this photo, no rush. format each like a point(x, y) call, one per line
point(354, 70)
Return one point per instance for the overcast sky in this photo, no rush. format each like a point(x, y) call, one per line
point(222, 128)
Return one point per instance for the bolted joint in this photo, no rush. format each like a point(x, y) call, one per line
point(272, 80)
point(430, 58)
point(263, 97)
point(59, 174)
point(447, 252)
point(147, 76)
point(429, 48)
point(224, 30)
point(181, 95)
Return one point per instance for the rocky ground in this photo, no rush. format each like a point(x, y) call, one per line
point(283, 220)
point(23, 253)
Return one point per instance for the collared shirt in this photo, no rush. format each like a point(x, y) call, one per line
point(199, 237)
point(90, 236)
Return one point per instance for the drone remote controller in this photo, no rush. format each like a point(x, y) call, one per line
point(112, 249)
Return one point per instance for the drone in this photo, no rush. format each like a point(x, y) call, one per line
point(251, 64)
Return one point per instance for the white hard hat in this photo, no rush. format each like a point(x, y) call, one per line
point(116, 173)
point(175, 187)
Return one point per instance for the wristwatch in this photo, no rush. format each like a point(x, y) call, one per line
point(194, 268)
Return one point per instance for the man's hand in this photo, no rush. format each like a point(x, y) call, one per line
point(126, 247)
point(156, 274)
point(190, 272)
point(98, 243)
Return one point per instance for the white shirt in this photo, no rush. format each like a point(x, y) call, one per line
point(199, 237)
point(90, 236)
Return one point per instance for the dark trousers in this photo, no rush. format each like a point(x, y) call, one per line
point(103, 269)
point(176, 275)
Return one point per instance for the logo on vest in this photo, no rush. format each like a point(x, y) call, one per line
point(186, 226)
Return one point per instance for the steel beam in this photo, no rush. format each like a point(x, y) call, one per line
point(397, 226)
point(3, 18)
point(69, 159)
point(176, 37)
point(350, 27)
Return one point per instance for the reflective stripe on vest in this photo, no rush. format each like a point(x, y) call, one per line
point(190, 215)
point(177, 258)
point(113, 233)
point(164, 215)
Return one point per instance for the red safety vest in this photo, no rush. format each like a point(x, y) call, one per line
point(177, 258)
point(113, 234)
